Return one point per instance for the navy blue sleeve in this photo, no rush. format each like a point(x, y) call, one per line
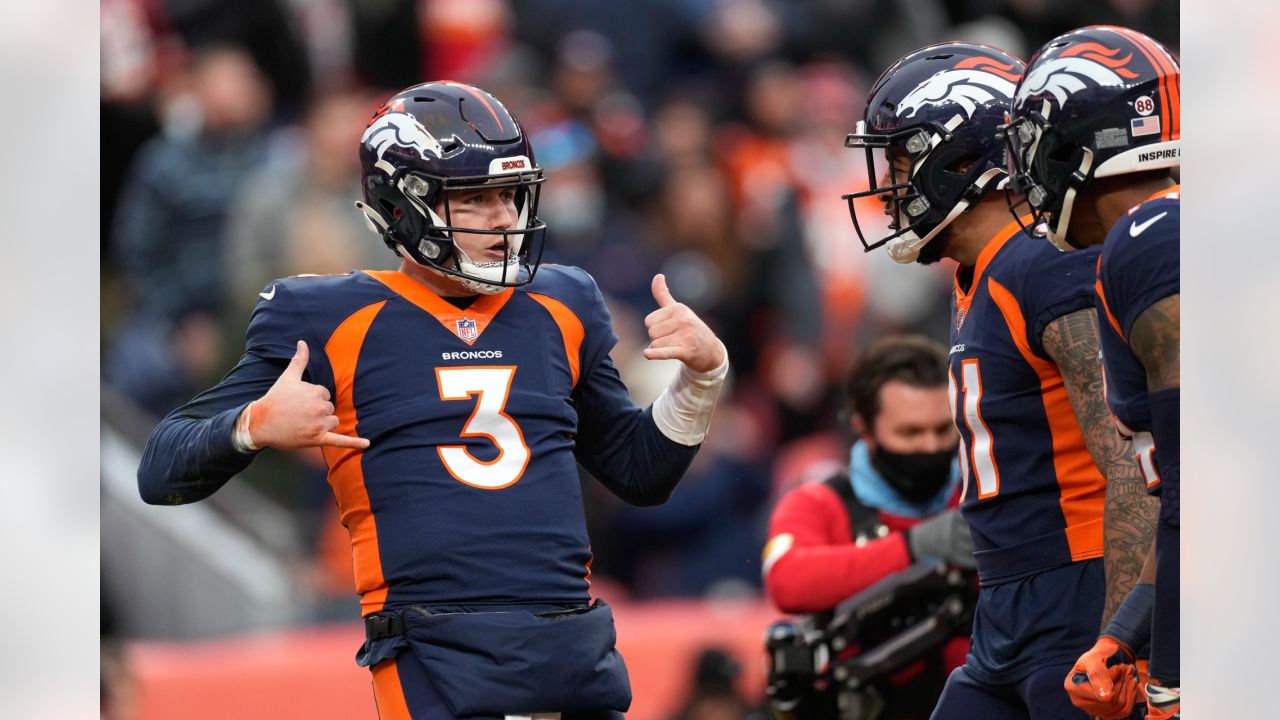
point(618, 442)
point(1139, 270)
point(278, 322)
point(621, 445)
point(190, 454)
point(1059, 283)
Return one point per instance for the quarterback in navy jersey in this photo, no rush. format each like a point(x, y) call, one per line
point(1094, 135)
point(453, 400)
point(1025, 384)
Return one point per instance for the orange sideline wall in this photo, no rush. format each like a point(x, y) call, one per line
point(312, 672)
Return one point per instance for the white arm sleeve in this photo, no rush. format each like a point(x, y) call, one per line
point(683, 411)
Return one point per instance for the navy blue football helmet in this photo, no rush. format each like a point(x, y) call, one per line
point(936, 110)
point(1096, 102)
point(443, 137)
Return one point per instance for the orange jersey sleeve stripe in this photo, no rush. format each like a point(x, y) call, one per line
point(388, 693)
point(481, 311)
point(570, 329)
point(1082, 487)
point(1111, 319)
point(346, 474)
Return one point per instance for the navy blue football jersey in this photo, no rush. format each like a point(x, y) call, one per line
point(1139, 266)
point(1033, 496)
point(470, 425)
point(477, 418)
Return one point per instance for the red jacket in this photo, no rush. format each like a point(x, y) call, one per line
point(811, 562)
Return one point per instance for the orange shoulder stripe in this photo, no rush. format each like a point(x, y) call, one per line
point(570, 329)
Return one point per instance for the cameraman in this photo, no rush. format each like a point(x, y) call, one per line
point(895, 504)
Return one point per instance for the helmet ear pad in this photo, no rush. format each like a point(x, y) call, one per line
point(1059, 164)
point(949, 171)
point(950, 175)
point(409, 229)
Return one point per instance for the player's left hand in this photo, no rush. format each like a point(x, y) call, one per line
point(1104, 681)
point(676, 332)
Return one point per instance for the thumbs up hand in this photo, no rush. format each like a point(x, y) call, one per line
point(295, 413)
point(677, 332)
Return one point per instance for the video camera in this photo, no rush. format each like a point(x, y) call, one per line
point(834, 665)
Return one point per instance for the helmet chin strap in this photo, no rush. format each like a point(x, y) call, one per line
point(477, 286)
point(906, 248)
point(467, 283)
point(474, 272)
point(1058, 234)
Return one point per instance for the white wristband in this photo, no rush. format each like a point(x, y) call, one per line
point(240, 435)
point(683, 411)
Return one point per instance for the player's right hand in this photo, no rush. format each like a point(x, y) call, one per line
point(297, 414)
point(1104, 681)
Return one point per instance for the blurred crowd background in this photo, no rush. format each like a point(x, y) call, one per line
point(698, 138)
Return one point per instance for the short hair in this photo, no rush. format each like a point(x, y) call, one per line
point(912, 359)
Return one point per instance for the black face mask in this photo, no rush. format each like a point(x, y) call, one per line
point(917, 477)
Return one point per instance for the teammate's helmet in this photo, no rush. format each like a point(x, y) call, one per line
point(1096, 102)
point(440, 137)
point(939, 108)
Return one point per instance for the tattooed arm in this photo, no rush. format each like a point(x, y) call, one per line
point(1129, 513)
point(1155, 338)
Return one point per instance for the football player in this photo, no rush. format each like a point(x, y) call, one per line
point(1036, 448)
point(1094, 138)
point(453, 400)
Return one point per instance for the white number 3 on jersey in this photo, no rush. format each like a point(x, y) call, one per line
point(491, 384)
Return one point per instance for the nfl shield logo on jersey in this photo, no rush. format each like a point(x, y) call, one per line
point(466, 329)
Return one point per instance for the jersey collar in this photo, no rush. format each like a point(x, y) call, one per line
point(999, 240)
point(1172, 193)
point(454, 319)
